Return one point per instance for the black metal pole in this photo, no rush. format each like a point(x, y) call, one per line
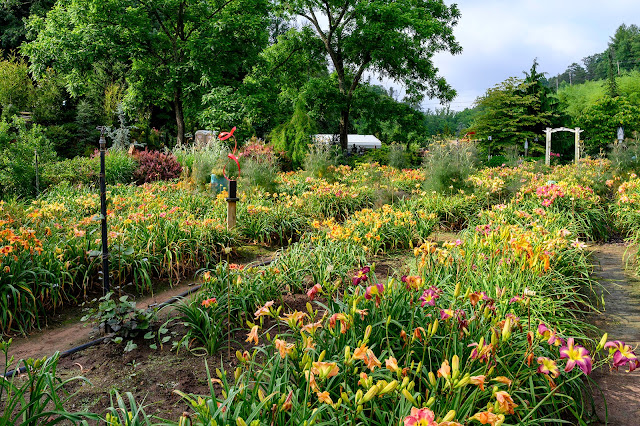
point(103, 213)
point(37, 178)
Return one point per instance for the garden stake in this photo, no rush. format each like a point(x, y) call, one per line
point(231, 204)
point(103, 213)
point(37, 178)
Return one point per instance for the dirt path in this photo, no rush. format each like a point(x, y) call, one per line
point(67, 331)
point(621, 319)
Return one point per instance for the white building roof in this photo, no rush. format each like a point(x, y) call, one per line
point(364, 141)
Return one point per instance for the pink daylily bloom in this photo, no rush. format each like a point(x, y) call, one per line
point(575, 355)
point(548, 367)
point(446, 314)
point(550, 335)
point(361, 276)
point(420, 417)
point(313, 291)
point(622, 355)
point(429, 296)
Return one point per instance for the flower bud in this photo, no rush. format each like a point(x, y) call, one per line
point(409, 397)
point(370, 394)
point(435, 326)
point(506, 330)
point(455, 366)
point(432, 379)
point(322, 355)
point(391, 386)
point(367, 332)
point(450, 416)
point(456, 292)
point(602, 342)
point(430, 401)
point(240, 422)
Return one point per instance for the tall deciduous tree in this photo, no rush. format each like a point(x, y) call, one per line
point(396, 39)
point(176, 50)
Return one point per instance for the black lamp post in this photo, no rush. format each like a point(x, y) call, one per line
point(103, 213)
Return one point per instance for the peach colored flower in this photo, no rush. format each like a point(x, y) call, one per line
point(253, 335)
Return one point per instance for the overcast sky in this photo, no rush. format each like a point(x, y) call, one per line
point(500, 39)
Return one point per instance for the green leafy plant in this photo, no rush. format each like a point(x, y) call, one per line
point(121, 316)
point(39, 397)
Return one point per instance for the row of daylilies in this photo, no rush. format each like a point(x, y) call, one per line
point(484, 330)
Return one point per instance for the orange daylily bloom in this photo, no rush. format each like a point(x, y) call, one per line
point(324, 397)
point(371, 360)
point(479, 381)
point(264, 310)
point(283, 347)
point(504, 380)
point(253, 335)
point(445, 370)
point(506, 402)
point(487, 417)
point(312, 327)
point(293, 319)
point(325, 369)
point(392, 364)
point(360, 352)
point(313, 385)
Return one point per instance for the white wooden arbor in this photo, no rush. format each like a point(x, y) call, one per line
point(549, 131)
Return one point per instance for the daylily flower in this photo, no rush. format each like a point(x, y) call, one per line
point(548, 367)
point(487, 417)
point(313, 385)
point(478, 380)
point(392, 364)
point(476, 296)
point(412, 281)
point(505, 402)
point(622, 355)
point(264, 310)
point(312, 327)
point(325, 370)
point(361, 276)
point(208, 302)
point(283, 347)
point(253, 335)
point(293, 319)
point(324, 397)
point(503, 380)
point(446, 314)
point(429, 296)
point(444, 370)
point(420, 417)
point(344, 325)
point(313, 291)
point(286, 405)
point(360, 352)
point(576, 355)
point(371, 360)
point(550, 335)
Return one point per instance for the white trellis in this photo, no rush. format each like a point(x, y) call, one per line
point(549, 131)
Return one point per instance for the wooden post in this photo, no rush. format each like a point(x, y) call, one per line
point(577, 134)
point(231, 205)
point(547, 155)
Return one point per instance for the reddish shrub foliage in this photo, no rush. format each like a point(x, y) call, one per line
point(155, 165)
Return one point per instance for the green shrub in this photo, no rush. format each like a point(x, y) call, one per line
point(625, 157)
point(18, 145)
point(75, 171)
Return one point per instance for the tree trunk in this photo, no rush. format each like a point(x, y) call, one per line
point(177, 106)
point(344, 128)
